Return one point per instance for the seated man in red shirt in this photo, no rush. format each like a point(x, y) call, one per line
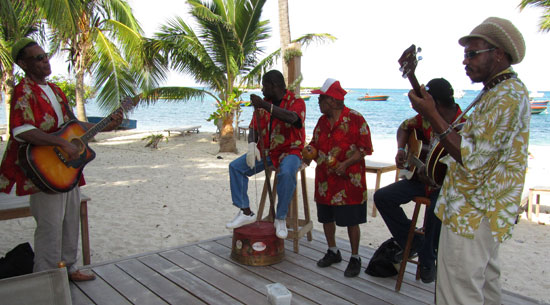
point(282, 132)
point(342, 140)
point(389, 199)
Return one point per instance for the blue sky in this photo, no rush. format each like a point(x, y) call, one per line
point(373, 34)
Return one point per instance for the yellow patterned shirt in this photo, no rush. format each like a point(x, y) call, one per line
point(494, 155)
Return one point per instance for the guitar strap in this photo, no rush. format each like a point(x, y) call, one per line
point(491, 84)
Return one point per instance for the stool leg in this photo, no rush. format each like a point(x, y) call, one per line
point(306, 202)
point(530, 205)
point(84, 232)
point(407, 250)
point(537, 207)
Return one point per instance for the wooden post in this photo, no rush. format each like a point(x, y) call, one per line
point(294, 65)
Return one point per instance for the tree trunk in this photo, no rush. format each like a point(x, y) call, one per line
point(79, 95)
point(284, 30)
point(227, 137)
point(7, 85)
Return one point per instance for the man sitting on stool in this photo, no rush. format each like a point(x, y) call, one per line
point(282, 131)
point(389, 199)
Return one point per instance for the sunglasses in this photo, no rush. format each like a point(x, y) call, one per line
point(39, 57)
point(472, 54)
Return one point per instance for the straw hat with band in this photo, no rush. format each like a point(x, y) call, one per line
point(332, 88)
point(502, 34)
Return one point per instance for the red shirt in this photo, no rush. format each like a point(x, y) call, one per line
point(286, 139)
point(29, 105)
point(349, 134)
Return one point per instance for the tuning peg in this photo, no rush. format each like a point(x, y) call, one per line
point(419, 57)
point(418, 50)
point(400, 69)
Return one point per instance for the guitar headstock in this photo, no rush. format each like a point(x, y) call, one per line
point(408, 60)
point(128, 103)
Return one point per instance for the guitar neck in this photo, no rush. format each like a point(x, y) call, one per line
point(414, 84)
point(97, 128)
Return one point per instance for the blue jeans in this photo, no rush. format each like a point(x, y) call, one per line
point(388, 201)
point(286, 181)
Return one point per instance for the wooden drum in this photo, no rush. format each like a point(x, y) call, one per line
point(257, 245)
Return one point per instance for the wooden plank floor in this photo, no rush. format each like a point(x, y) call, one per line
point(204, 273)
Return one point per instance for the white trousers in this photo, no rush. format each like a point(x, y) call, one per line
point(57, 223)
point(468, 270)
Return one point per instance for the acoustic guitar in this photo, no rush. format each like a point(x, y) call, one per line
point(48, 166)
point(435, 170)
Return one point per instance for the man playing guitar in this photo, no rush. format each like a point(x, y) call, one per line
point(389, 199)
point(38, 110)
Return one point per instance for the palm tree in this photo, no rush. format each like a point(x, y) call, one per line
point(18, 19)
point(106, 43)
point(545, 19)
point(222, 54)
point(284, 32)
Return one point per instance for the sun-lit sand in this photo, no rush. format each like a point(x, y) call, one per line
point(145, 200)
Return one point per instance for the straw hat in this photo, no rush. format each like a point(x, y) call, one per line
point(502, 34)
point(332, 88)
point(20, 45)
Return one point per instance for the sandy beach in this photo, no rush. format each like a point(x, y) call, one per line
point(147, 199)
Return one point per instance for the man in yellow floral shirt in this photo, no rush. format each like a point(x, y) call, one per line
point(487, 162)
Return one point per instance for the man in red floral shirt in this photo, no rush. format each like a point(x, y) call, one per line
point(39, 108)
point(342, 140)
point(282, 132)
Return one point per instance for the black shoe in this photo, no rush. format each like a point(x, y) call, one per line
point(354, 267)
point(428, 273)
point(329, 259)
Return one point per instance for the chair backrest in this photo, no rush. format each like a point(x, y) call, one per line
point(46, 287)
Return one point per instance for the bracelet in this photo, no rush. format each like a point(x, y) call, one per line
point(445, 133)
point(271, 111)
point(401, 149)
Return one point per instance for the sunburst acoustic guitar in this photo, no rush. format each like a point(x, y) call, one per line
point(48, 166)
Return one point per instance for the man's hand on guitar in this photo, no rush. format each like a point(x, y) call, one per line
point(425, 104)
point(72, 151)
point(116, 120)
point(400, 159)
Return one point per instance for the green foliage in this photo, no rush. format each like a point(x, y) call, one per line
point(68, 86)
point(291, 53)
point(153, 140)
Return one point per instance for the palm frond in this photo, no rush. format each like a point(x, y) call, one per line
point(174, 94)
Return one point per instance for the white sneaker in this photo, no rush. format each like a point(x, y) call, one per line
point(240, 220)
point(280, 228)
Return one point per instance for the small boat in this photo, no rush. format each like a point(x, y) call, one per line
point(459, 94)
point(374, 98)
point(245, 103)
point(538, 106)
point(126, 123)
point(306, 97)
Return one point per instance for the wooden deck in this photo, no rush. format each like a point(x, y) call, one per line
point(204, 273)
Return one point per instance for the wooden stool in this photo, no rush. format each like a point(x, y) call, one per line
point(379, 168)
point(410, 237)
point(297, 227)
point(535, 191)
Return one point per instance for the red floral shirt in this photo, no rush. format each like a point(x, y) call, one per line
point(349, 134)
point(286, 139)
point(29, 105)
point(419, 123)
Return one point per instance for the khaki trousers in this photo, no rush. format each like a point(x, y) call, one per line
point(57, 225)
point(468, 270)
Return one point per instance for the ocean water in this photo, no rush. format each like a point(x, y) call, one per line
point(383, 117)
